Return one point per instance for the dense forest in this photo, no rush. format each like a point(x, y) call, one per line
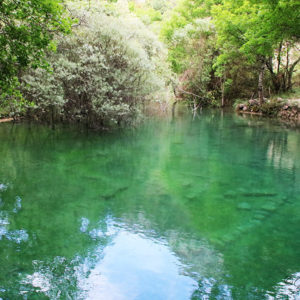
point(101, 63)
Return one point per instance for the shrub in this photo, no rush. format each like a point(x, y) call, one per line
point(100, 74)
point(271, 108)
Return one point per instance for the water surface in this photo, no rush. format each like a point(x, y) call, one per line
point(203, 208)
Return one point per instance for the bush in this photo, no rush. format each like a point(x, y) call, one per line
point(101, 73)
point(271, 108)
point(237, 103)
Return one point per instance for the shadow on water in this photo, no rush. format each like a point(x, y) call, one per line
point(194, 208)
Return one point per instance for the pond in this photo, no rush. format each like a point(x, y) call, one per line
point(190, 208)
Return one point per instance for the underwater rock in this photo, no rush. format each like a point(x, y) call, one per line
point(230, 195)
point(165, 197)
point(269, 206)
point(191, 197)
point(261, 212)
point(108, 196)
point(192, 174)
point(287, 200)
point(186, 184)
point(256, 222)
point(259, 216)
point(244, 206)
point(112, 194)
point(93, 178)
point(259, 194)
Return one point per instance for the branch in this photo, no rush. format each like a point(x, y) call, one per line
point(189, 93)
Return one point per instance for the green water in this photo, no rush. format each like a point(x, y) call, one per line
point(176, 209)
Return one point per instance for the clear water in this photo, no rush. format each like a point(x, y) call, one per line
point(177, 209)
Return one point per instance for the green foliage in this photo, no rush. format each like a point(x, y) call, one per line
point(279, 19)
point(187, 23)
point(271, 108)
point(101, 73)
point(252, 30)
point(148, 15)
point(12, 102)
point(291, 95)
point(107, 67)
point(190, 37)
point(26, 31)
point(237, 102)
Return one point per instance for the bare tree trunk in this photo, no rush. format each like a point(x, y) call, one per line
point(223, 91)
point(290, 74)
point(261, 83)
point(282, 76)
point(286, 71)
point(274, 76)
point(279, 57)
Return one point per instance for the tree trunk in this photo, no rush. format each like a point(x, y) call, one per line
point(223, 92)
point(261, 83)
point(290, 74)
point(281, 76)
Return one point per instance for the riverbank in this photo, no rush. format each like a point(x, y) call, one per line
point(285, 107)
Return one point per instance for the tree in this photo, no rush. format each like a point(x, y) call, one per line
point(26, 31)
point(185, 18)
point(254, 29)
point(190, 36)
point(102, 72)
point(280, 23)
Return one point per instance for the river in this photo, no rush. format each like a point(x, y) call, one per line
point(189, 208)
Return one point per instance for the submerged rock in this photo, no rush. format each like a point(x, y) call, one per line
point(186, 185)
point(269, 206)
point(259, 216)
point(230, 195)
point(244, 206)
point(164, 197)
point(259, 194)
point(191, 197)
point(113, 193)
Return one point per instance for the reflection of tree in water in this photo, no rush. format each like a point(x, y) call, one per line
point(50, 278)
point(57, 279)
point(63, 278)
point(288, 289)
point(255, 199)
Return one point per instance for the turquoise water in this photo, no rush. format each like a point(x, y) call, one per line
point(203, 208)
